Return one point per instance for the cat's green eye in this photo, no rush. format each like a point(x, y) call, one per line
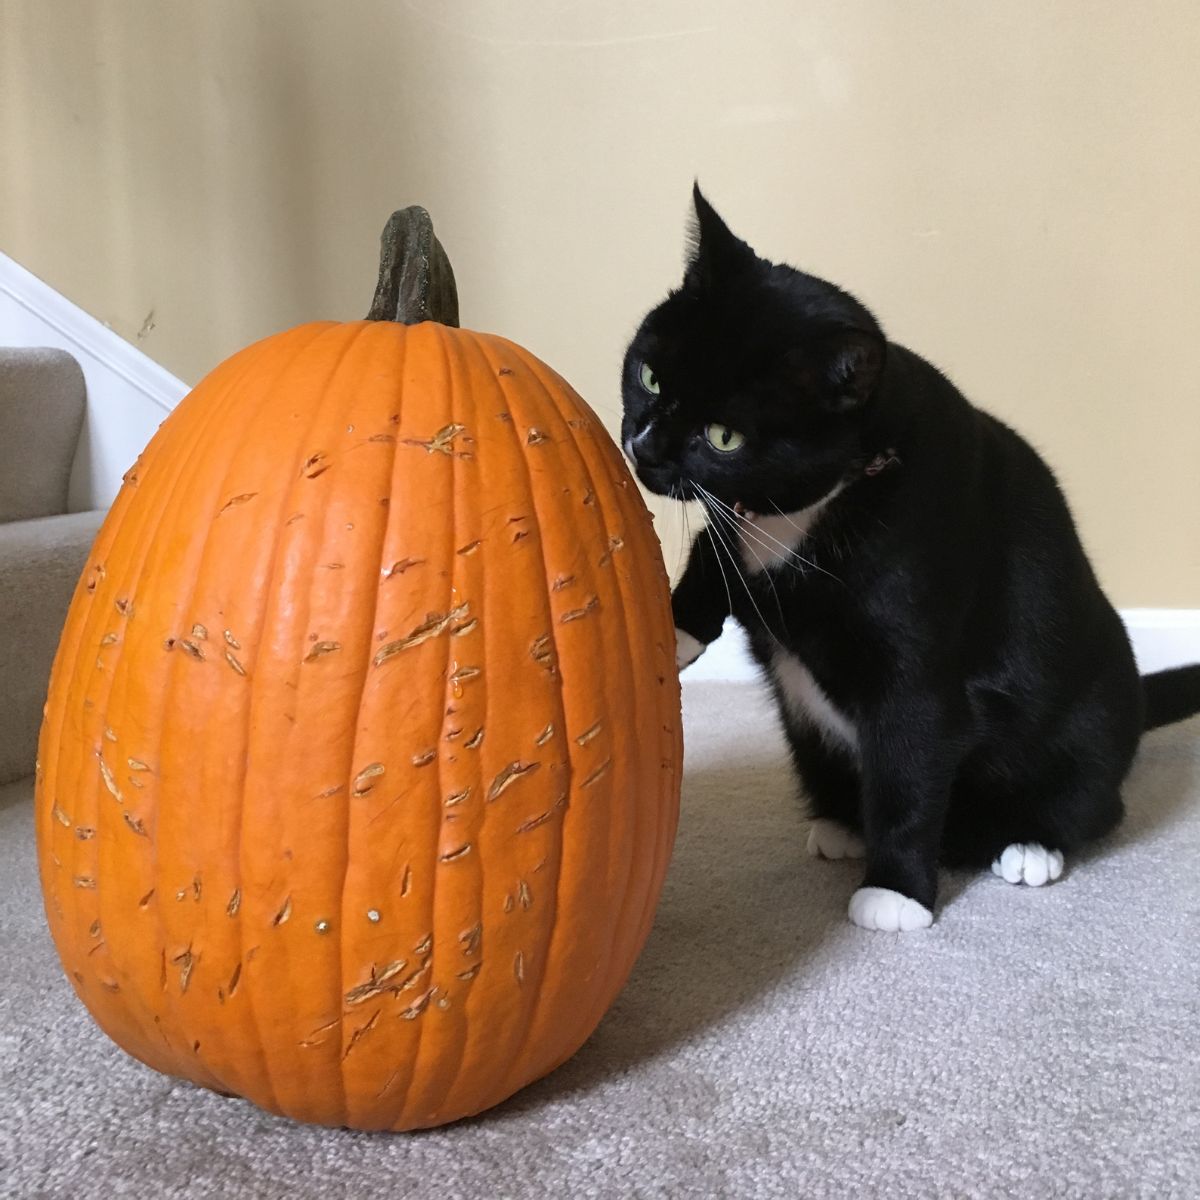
point(648, 379)
point(721, 437)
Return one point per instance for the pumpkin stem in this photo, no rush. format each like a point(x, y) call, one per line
point(416, 281)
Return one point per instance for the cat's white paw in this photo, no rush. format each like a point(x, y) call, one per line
point(831, 839)
point(687, 648)
point(883, 909)
point(1028, 863)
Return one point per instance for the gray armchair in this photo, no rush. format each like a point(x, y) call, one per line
point(43, 548)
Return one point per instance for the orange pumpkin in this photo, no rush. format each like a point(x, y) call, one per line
point(361, 761)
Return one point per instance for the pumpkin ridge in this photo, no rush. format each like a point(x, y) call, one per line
point(550, 408)
point(463, 343)
point(438, 330)
point(265, 1051)
point(548, 390)
point(607, 456)
point(611, 465)
point(342, 906)
point(238, 781)
point(476, 347)
point(664, 837)
point(332, 387)
point(190, 439)
point(131, 576)
point(523, 452)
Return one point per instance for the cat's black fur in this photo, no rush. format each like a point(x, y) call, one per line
point(950, 612)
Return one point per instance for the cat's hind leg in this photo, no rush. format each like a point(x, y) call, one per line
point(831, 787)
point(1026, 835)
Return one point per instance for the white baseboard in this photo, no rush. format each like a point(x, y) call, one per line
point(1162, 637)
point(129, 394)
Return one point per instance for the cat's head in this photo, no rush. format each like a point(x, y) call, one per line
point(752, 379)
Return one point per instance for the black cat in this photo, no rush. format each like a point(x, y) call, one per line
point(953, 682)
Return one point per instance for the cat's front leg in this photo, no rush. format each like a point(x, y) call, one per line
point(909, 758)
point(700, 602)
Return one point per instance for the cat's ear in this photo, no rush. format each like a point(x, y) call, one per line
point(714, 253)
point(852, 362)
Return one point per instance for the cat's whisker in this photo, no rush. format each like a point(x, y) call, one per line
point(723, 536)
point(748, 529)
point(724, 576)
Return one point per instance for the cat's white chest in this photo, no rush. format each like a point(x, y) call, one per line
point(770, 540)
point(806, 701)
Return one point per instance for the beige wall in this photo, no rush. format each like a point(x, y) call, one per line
point(1014, 187)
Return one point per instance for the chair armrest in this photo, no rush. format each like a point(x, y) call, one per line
point(41, 561)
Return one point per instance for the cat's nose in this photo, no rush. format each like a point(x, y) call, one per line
point(647, 447)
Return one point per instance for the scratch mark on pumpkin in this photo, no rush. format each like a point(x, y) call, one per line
point(576, 614)
point(402, 565)
point(542, 652)
point(425, 757)
point(461, 675)
point(236, 501)
point(588, 734)
point(535, 437)
point(470, 547)
point(313, 1039)
point(455, 855)
point(231, 659)
point(192, 649)
point(508, 776)
point(360, 1033)
point(321, 649)
point(475, 740)
point(315, 465)
point(145, 900)
point(469, 939)
point(433, 626)
point(442, 442)
point(284, 913)
point(544, 736)
point(85, 833)
point(186, 962)
point(60, 816)
point(377, 983)
point(598, 773)
point(136, 824)
point(362, 781)
point(110, 782)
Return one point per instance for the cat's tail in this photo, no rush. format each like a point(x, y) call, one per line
point(1171, 695)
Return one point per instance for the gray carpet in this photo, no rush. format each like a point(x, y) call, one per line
point(1032, 1043)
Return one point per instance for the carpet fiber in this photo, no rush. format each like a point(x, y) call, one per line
point(1035, 1043)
